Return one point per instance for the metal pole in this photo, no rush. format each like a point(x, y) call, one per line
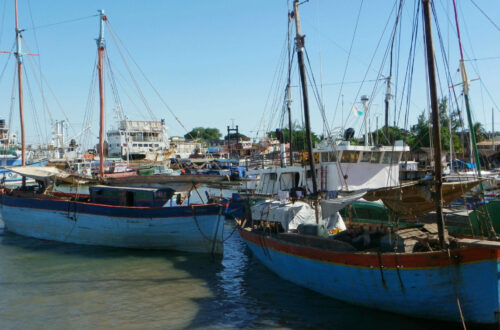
point(466, 98)
point(436, 127)
point(289, 95)
point(299, 39)
point(387, 98)
point(100, 51)
point(19, 57)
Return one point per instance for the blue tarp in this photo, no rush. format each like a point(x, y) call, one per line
point(460, 164)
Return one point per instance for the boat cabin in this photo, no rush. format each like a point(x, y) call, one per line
point(125, 196)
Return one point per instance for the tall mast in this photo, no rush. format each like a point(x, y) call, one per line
point(19, 57)
point(299, 39)
point(436, 127)
point(289, 95)
point(465, 85)
point(493, 128)
point(100, 51)
point(386, 101)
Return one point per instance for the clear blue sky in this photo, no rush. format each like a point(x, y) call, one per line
point(214, 61)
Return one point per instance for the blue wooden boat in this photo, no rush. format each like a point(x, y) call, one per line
point(410, 271)
point(431, 285)
point(139, 218)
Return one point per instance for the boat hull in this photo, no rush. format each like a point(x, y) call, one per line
point(195, 228)
point(426, 285)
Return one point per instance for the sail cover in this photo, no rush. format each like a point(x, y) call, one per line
point(291, 215)
point(45, 173)
point(418, 198)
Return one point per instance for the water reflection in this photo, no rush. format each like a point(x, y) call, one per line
point(48, 284)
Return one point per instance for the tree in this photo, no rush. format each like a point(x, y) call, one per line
point(394, 134)
point(299, 140)
point(420, 134)
point(233, 136)
point(481, 134)
point(205, 134)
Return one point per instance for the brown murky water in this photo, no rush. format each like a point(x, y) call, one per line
point(52, 285)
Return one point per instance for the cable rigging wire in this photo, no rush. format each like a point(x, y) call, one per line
point(144, 75)
point(61, 22)
point(347, 61)
point(373, 58)
point(485, 15)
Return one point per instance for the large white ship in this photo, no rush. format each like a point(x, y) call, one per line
point(138, 140)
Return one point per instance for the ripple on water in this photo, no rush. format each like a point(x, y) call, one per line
point(52, 285)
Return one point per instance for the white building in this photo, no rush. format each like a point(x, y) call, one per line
point(138, 139)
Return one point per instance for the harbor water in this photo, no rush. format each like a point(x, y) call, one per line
point(45, 284)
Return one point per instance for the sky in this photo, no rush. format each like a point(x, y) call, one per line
point(223, 62)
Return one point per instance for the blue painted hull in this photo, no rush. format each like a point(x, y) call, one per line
point(186, 228)
point(399, 283)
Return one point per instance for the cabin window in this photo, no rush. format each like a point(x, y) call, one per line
point(328, 157)
point(157, 145)
point(366, 157)
point(270, 177)
point(391, 157)
point(129, 198)
point(375, 157)
point(350, 157)
point(135, 144)
point(286, 181)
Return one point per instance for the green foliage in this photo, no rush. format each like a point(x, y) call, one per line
point(233, 136)
point(299, 140)
point(394, 134)
point(205, 134)
point(481, 134)
point(420, 133)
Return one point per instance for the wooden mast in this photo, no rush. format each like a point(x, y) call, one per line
point(19, 57)
point(100, 51)
point(299, 39)
point(436, 127)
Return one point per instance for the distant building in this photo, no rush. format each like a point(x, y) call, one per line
point(184, 148)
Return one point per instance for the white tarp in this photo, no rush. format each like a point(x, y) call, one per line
point(40, 173)
point(291, 215)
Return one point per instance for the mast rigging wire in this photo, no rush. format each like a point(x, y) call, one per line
point(61, 22)
point(348, 60)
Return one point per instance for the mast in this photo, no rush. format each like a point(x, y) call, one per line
point(436, 127)
point(19, 57)
point(100, 50)
point(386, 101)
point(289, 94)
point(299, 39)
point(465, 84)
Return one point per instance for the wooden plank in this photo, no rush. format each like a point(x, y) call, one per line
point(479, 243)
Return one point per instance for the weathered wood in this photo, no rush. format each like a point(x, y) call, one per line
point(479, 243)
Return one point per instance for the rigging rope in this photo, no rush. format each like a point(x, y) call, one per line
point(348, 60)
point(61, 22)
point(144, 76)
point(485, 15)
